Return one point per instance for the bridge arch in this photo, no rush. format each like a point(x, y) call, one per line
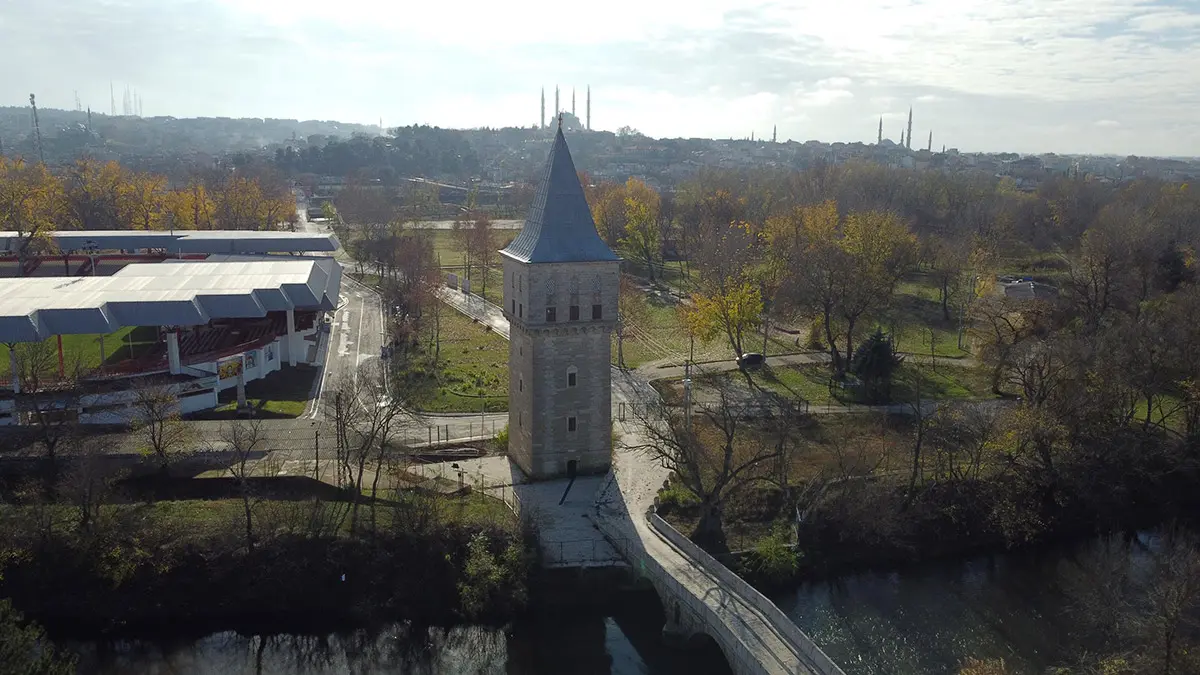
point(688, 631)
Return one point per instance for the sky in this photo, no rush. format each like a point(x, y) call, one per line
point(1086, 76)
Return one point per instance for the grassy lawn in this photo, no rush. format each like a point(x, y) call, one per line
point(810, 382)
point(945, 382)
point(916, 315)
point(660, 334)
point(473, 363)
point(282, 394)
point(118, 347)
point(449, 252)
point(179, 522)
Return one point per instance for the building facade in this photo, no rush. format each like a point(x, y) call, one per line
point(560, 298)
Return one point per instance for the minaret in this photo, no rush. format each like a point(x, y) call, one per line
point(774, 133)
point(880, 141)
point(589, 108)
point(902, 138)
point(543, 124)
point(929, 148)
point(572, 101)
point(909, 136)
point(557, 108)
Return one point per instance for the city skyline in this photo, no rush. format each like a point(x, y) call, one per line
point(1104, 77)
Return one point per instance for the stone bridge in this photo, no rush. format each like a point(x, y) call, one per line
point(702, 597)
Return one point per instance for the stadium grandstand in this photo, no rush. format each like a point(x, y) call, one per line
point(204, 311)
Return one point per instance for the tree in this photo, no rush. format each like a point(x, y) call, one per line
point(485, 248)
point(642, 236)
point(31, 203)
point(25, 649)
point(733, 309)
point(607, 201)
point(155, 419)
point(88, 479)
point(242, 439)
point(141, 201)
point(1000, 325)
point(489, 580)
point(49, 394)
point(874, 364)
point(93, 195)
point(715, 463)
point(879, 249)
point(365, 416)
point(1143, 617)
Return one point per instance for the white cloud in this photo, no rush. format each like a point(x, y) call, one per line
point(1004, 74)
point(1108, 123)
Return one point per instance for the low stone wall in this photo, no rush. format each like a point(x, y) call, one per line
point(768, 609)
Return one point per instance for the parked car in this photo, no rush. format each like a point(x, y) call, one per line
point(751, 360)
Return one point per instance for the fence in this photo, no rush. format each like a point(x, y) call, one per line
point(476, 428)
point(581, 552)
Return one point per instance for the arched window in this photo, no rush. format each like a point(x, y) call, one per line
point(572, 376)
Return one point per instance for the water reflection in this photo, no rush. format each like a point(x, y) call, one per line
point(626, 643)
point(927, 620)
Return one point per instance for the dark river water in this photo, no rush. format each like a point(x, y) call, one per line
point(924, 619)
point(626, 640)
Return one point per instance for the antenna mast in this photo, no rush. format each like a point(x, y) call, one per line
point(37, 131)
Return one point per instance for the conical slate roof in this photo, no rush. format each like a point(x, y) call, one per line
point(559, 227)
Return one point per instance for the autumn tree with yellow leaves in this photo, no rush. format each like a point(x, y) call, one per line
point(31, 203)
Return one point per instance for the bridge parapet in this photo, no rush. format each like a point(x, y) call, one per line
point(779, 621)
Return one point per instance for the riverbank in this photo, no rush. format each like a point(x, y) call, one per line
point(149, 567)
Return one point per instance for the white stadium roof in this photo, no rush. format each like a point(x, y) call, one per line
point(185, 241)
point(179, 294)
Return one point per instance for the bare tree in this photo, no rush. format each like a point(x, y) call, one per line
point(1144, 611)
point(155, 419)
point(50, 399)
point(364, 419)
point(713, 466)
point(87, 481)
point(242, 439)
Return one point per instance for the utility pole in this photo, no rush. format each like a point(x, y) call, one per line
point(37, 130)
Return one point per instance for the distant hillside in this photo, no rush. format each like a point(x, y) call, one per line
point(66, 135)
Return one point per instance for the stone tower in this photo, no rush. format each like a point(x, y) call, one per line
point(560, 298)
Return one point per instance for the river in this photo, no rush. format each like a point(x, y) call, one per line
point(928, 619)
point(924, 619)
point(621, 641)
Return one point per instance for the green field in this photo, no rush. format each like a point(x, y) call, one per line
point(85, 349)
point(472, 368)
point(660, 334)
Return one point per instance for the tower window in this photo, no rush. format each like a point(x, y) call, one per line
point(514, 306)
point(520, 419)
point(521, 384)
point(570, 424)
point(570, 379)
point(574, 312)
point(550, 312)
point(597, 312)
point(512, 281)
point(521, 311)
